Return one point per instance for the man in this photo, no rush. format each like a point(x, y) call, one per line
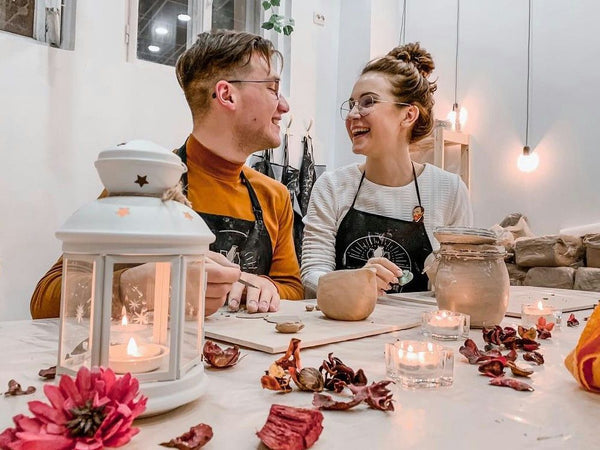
point(232, 89)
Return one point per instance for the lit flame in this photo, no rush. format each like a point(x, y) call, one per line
point(124, 316)
point(132, 348)
point(540, 305)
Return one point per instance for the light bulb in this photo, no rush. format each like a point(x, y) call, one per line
point(154, 48)
point(184, 17)
point(457, 117)
point(161, 31)
point(528, 160)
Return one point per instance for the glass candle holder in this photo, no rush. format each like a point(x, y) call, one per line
point(531, 313)
point(445, 325)
point(417, 364)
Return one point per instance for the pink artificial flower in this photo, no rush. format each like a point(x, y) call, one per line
point(93, 411)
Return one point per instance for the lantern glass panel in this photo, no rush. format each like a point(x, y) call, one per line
point(140, 328)
point(77, 312)
point(194, 313)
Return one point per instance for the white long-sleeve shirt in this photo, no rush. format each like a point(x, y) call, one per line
point(444, 197)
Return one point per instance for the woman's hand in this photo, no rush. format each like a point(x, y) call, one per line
point(263, 298)
point(387, 273)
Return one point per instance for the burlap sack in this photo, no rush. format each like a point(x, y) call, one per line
point(549, 251)
point(516, 274)
point(592, 249)
point(551, 277)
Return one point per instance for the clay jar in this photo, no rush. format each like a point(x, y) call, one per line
point(348, 294)
point(473, 279)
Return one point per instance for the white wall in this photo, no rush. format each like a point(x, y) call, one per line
point(58, 109)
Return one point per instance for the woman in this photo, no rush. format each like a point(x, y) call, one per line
point(382, 213)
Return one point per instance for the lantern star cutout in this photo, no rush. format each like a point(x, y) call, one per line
point(122, 212)
point(188, 216)
point(141, 180)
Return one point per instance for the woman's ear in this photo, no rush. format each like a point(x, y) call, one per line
point(412, 114)
point(223, 94)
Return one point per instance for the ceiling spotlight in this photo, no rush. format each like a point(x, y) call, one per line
point(161, 31)
point(154, 48)
point(184, 17)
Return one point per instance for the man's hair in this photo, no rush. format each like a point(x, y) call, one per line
point(218, 55)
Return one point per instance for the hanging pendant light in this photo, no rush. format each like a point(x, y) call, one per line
point(528, 160)
point(402, 38)
point(458, 116)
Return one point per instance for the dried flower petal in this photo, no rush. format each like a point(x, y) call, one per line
point(544, 334)
point(512, 355)
point(518, 370)
point(572, 321)
point(535, 357)
point(542, 324)
point(470, 351)
point(335, 371)
point(289, 428)
point(527, 333)
point(194, 439)
point(219, 358)
point(14, 388)
point(377, 396)
point(494, 367)
point(49, 373)
point(511, 383)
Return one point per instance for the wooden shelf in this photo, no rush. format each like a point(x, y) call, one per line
point(435, 150)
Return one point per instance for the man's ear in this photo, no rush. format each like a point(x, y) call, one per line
point(224, 95)
point(412, 114)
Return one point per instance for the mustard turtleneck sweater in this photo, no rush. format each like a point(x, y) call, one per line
point(214, 187)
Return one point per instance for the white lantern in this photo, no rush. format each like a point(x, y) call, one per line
point(134, 279)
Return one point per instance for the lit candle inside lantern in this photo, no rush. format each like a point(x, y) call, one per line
point(445, 325)
point(135, 358)
point(530, 314)
point(121, 332)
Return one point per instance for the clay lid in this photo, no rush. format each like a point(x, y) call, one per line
point(464, 235)
point(472, 250)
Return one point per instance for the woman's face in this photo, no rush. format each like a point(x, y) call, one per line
point(381, 127)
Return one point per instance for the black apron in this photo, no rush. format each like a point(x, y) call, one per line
point(363, 235)
point(243, 242)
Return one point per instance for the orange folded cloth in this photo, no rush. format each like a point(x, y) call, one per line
point(584, 361)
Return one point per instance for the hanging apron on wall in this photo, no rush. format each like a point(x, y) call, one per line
point(264, 162)
point(243, 242)
point(363, 235)
point(290, 178)
point(307, 173)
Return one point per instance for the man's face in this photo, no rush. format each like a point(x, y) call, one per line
point(260, 107)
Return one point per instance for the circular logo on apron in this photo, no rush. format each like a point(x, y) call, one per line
point(364, 248)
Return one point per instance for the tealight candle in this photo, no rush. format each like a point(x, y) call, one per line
point(445, 325)
point(530, 314)
point(132, 358)
point(121, 332)
point(416, 364)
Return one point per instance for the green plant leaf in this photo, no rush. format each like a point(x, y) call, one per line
point(267, 25)
point(275, 2)
point(291, 22)
point(287, 30)
point(277, 28)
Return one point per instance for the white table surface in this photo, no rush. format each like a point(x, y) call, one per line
point(469, 414)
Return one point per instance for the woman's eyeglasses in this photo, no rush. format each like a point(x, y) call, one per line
point(364, 105)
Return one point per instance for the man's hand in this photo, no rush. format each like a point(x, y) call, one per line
point(221, 275)
point(387, 273)
point(263, 298)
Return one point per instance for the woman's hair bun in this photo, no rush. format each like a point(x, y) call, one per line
point(414, 54)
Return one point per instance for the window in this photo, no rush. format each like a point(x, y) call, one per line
point(49, 21)
point(165, 28)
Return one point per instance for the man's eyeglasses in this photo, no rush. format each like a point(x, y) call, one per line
point(364, 105)
point(273, 88)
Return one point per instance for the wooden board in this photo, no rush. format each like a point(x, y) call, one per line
point(566, 300)
point(259, 334)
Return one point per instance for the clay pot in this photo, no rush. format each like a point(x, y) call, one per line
point(348, 294)
point(473, 280)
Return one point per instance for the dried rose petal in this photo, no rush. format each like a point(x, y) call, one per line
point(544, 334)
point(335, 371)
point(470, 351)
point(194, 439)
point(542, 324)
point(289, 428)
point(527, 333)
point(292, 356)
point(572, 321)
point(512, 355)
point(511, 383)
point(493, 368)
point(49, 373)
point(14, 388)
point(377, 396)
point(535, 357)
point(529, 345)
point(219, 358)
point(519, 371)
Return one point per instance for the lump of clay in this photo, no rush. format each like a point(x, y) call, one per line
point(347, 294)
